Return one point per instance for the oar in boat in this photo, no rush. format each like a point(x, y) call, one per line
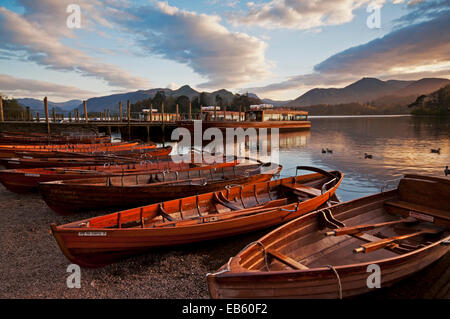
point(380, 244)
point(359, 228)
point(269, 206)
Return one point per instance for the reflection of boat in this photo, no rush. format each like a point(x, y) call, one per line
point(283, 119)
point(329, 253)
point(76, 195)
point(235, 210)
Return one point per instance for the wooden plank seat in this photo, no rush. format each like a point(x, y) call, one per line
point(286, 260)
point(298, 189)
point(419, 208)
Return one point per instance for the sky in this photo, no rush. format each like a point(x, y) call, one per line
point(278, 49)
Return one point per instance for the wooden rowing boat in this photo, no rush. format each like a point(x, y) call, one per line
point(63, 159)
point(235, 210)
point(27, 180)
point(330, 253)
point(60, 139)
point(11, 150)
point(66, 197)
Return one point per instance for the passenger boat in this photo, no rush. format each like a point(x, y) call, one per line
point(66, 197)
point(27, 180)
point(330, 253)
point(234, 210)
point(70, 159)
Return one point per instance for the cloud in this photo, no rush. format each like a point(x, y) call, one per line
point(17, 87)
point(410, 52)
point(225, 58)
point(38, 35)
point(299, 14)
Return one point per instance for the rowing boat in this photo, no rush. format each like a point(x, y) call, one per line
point(27, 180)
point(70, 159)
point(11, 150)
point(340, 251)
point(235, 210)
point(8, 138)
point(66, 197)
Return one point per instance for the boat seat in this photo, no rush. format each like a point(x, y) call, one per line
point(286, 260)
point(303, 189)
point(419, 208)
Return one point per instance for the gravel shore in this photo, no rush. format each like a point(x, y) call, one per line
point(32, 265)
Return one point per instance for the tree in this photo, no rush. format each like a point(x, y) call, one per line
point(183, 103)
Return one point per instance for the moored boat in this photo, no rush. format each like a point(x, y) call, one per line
point(235, 210)
point(66, 197)
point(27, 180)
point(334, 252)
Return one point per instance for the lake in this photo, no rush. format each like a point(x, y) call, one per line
point(399, 145)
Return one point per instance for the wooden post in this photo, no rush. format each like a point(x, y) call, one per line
point(240, 108)
point(128, 117)
point(177, 113)
point(37, 117)
point(224, 113)
point(162, 113)
point(120, 111)
point(53, 115)
point(86, 119)
point(190, 110)
point(201, 112)
point(1, 109)
point(215, 113)
point(151, 112)
point(70, 117)
point(46, 115)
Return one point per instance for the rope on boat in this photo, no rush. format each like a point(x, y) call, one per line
point(338, 279)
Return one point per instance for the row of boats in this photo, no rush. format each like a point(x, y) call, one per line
point(322, 248)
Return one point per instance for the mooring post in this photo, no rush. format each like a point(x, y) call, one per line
point(46, 115)
point(1, 109)
point(224, 113)
point(151, 112)
point(148, 133)
point(120, 111)
point(215, 113)
point(190, 110)
point(240, 109)
point(53, 115)
point(128, 118)
point(37, 117)
point(70, 117)
point(177, 113)
point(86, 119)
point(201, 113)
point(163, 128)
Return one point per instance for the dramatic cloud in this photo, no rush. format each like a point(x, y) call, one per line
point(225, 58)
point(15, 87)
point(413, 51)
point(299, 14)
point(38, 34)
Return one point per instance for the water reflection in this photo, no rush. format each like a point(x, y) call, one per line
point(399, 145)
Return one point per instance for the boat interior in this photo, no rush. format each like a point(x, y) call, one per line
point(386, 225)
point(234, 202)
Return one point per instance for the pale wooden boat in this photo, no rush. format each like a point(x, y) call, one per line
point(326, 254)
point(235, 210)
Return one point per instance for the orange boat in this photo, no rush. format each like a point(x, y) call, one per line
point(334, 252)
point(235, 210)
point(8, 138)
point(11, 150)
point(66, 197)
point(27, 180)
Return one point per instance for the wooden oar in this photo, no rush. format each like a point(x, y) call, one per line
point(272, 205)
point(359, 228)
point(372, 246)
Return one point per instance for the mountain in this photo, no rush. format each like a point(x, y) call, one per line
point(275, 103)
point(38, 105)
point(367, 90)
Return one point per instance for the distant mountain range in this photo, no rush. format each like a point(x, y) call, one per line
point(362, 91)
point(38, 105)
point(368, 90)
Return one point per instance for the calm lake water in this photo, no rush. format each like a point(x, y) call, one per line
point(399, 145)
